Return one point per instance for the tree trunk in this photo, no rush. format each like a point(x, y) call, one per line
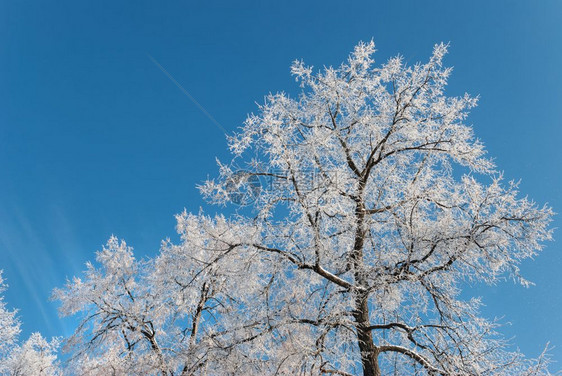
point(365, 339)
point(369, 356)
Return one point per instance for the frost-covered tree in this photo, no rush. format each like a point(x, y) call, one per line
point(179, 314)
point(35, 357)
point(377, 205)
point(117, 320)
point(9, 327)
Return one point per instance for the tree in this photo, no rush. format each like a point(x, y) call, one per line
point(377, 205)
point(9, 327)
point(35, 357)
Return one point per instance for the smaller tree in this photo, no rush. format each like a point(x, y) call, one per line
point(9, 328)
point(119, 332)
point(36, 357)
point(177, 314)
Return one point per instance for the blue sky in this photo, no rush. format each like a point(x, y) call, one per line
point(95, 140)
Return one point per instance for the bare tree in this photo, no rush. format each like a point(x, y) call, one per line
point(36, 356)
point(9, 328)
point(376, 205)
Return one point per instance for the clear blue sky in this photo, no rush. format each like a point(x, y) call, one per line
point(95, 140)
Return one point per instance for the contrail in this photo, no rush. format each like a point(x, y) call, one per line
point(187, 94)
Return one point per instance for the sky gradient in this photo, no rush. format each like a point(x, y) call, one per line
point(95, 139)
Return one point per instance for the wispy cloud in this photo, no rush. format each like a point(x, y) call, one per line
point(31, 268)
